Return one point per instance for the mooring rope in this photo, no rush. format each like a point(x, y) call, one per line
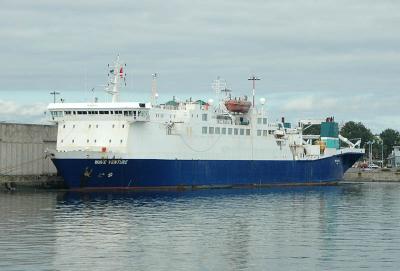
point(5, 170)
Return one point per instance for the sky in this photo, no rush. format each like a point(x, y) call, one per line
point(315, 58)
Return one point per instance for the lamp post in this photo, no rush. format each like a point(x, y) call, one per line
point(370, 152)
point(254, 79)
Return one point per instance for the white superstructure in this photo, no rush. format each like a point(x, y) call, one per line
point(177, 130)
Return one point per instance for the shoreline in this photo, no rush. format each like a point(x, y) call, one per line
point(54, 182)
point(373, 175)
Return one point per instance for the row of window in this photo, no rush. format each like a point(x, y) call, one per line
point(234, 131)
point(264, 132)
point(88, 141)
point(133, 113)
point(224, 131)
point(162, 116)
point(97, 126)
point(262, 121)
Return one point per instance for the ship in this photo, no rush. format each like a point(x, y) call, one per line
point(224, 142)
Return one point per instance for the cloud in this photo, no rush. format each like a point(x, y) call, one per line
point(375, 110)
point(310, 103)
point(12, 111)
point(321, 56)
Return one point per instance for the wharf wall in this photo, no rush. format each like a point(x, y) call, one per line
point(374, 175)
point(23, 159)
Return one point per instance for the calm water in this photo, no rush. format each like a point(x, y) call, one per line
point(348, 227)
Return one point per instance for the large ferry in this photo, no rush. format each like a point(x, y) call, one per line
point(191, 144)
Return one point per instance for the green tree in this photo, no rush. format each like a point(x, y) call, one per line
point(390, 138)
point(356, 130)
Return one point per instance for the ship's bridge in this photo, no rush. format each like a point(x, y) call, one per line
point(129, 111)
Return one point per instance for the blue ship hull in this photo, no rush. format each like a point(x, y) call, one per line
point(155, 173)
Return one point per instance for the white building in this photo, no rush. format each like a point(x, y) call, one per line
point(394, 157)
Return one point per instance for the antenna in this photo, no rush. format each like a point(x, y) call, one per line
point(254, 79)
point(54, 93)
point(154, 94)
point(218, 85)
point(117, 71)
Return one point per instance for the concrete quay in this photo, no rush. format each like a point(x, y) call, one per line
point(373, 175)
point(29, 182)
point(23, 159)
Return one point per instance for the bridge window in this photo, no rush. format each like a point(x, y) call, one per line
point(56, 113)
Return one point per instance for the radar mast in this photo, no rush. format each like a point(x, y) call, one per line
point(116, 73)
